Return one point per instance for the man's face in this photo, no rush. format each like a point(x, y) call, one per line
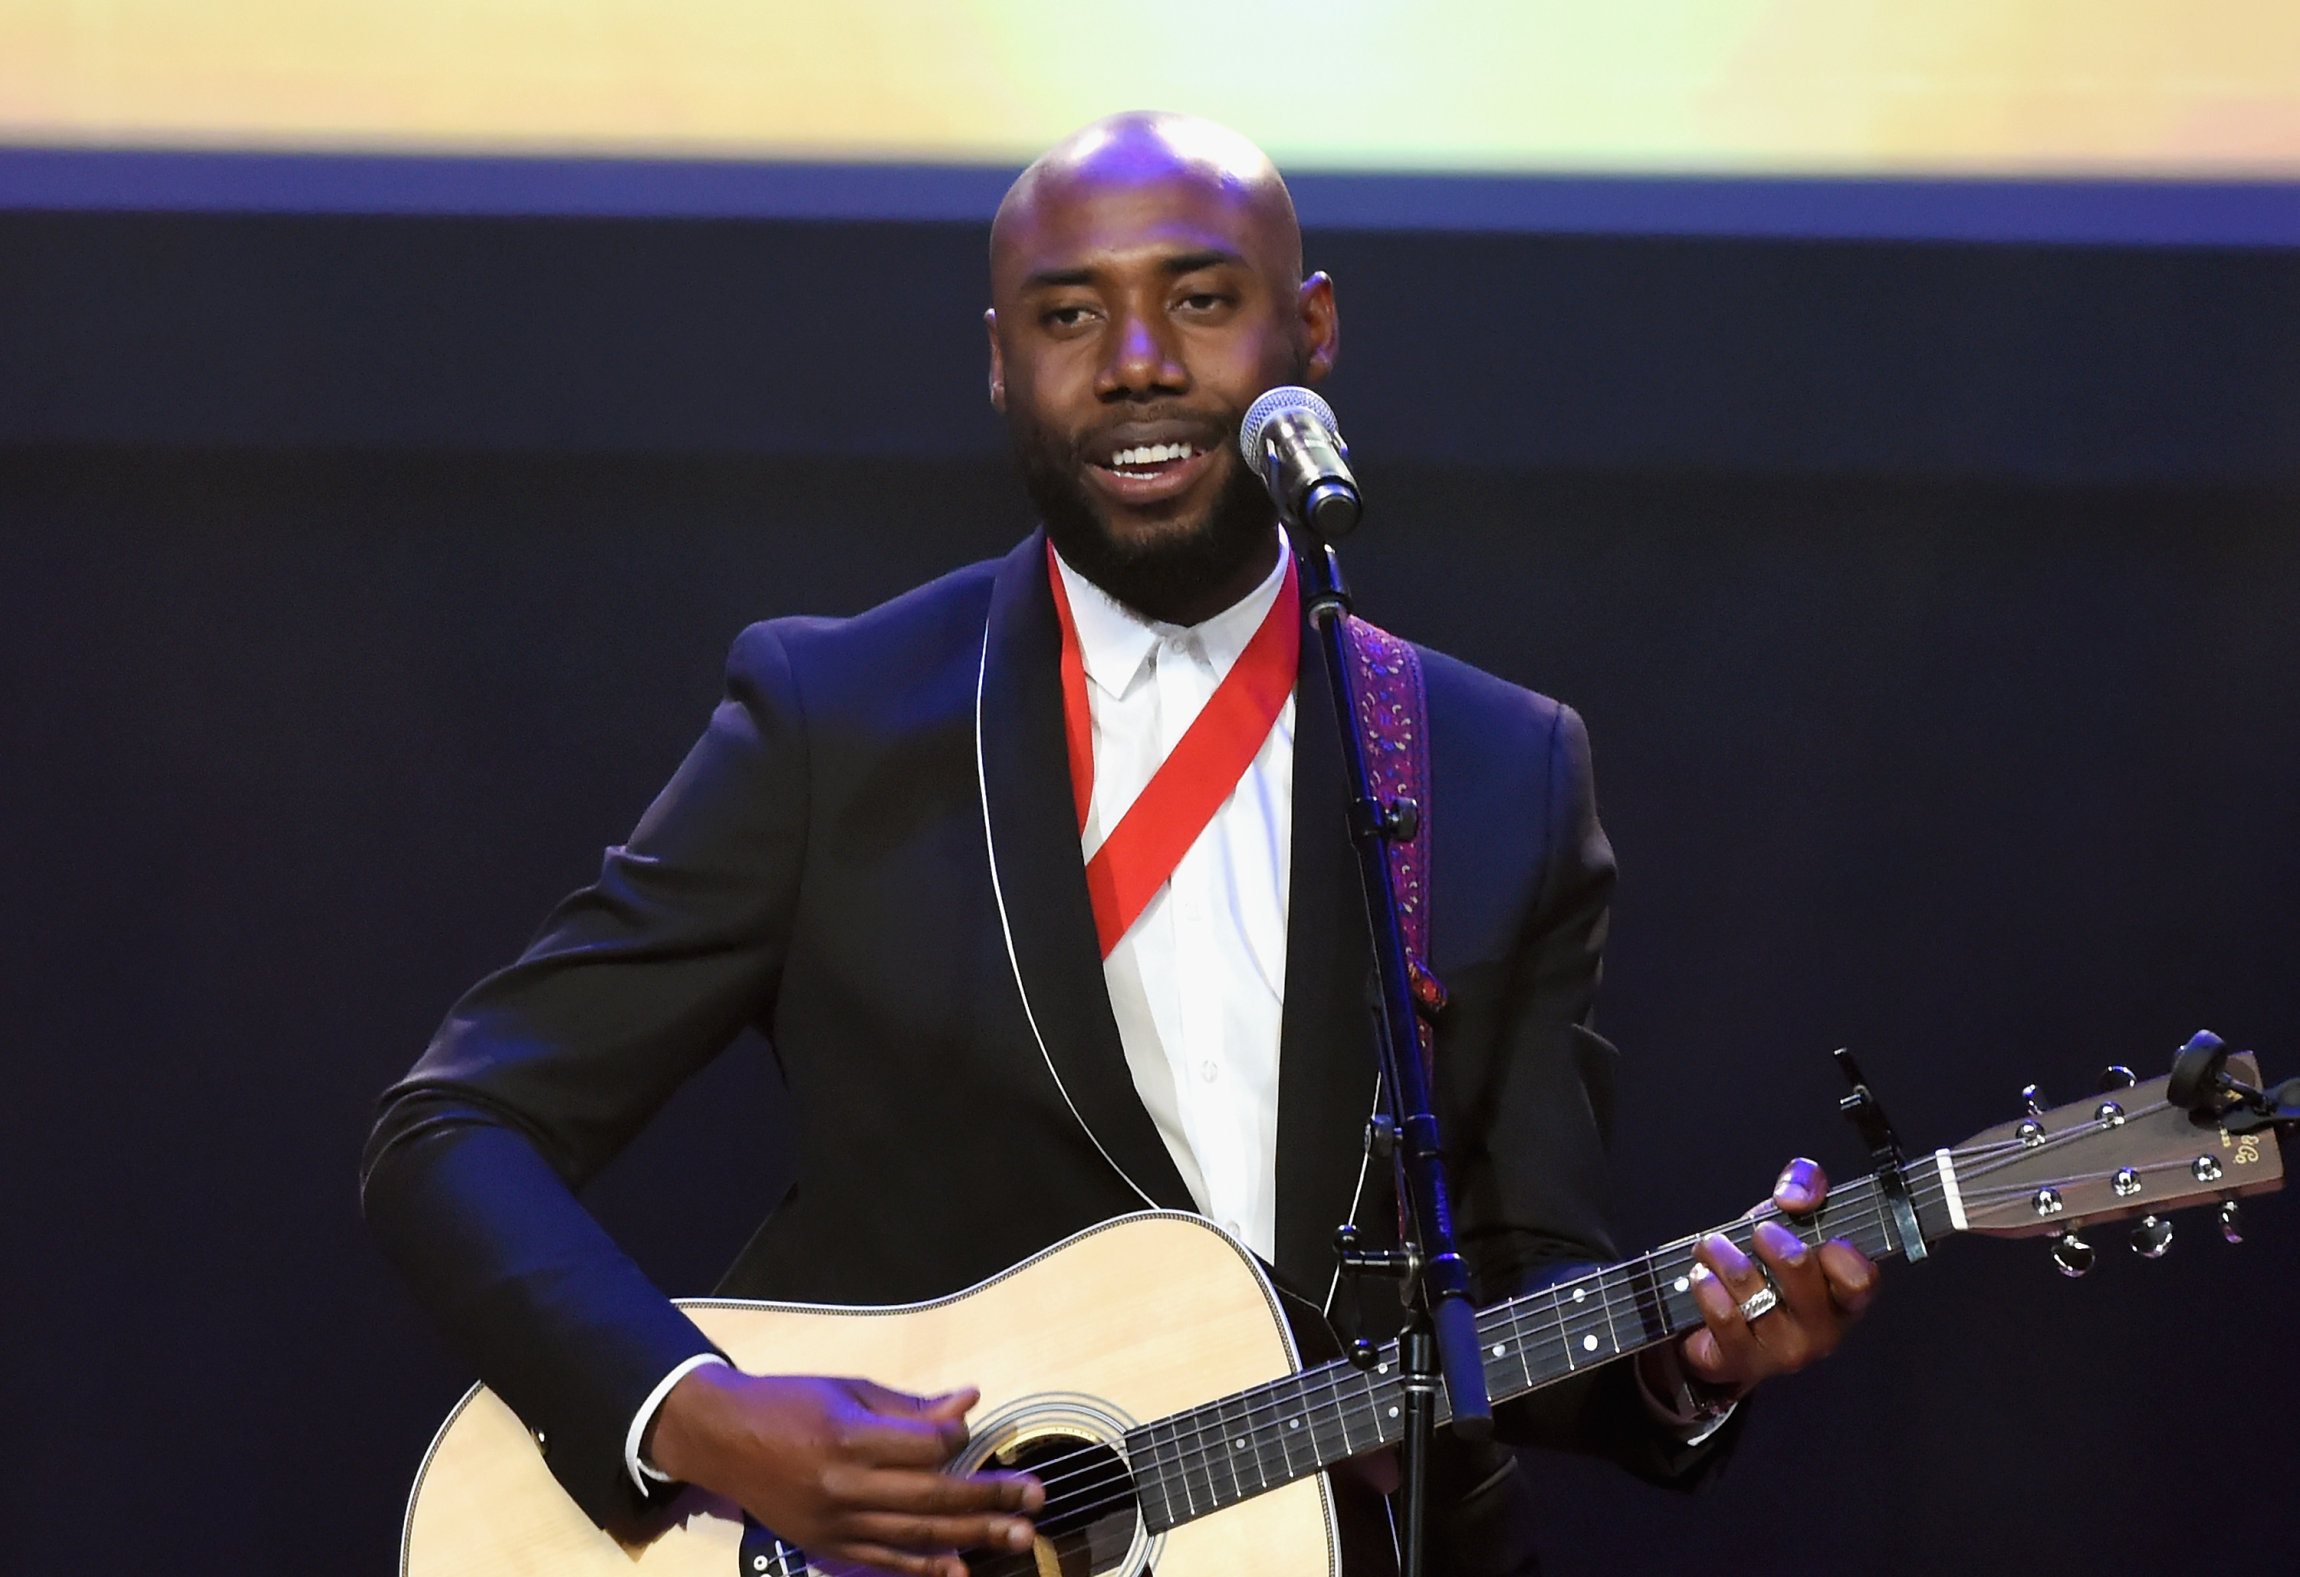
point(1134, 322)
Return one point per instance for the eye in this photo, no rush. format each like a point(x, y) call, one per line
point(1209, 306)
point(1065, 317)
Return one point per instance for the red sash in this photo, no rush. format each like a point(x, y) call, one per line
point(1194, 780)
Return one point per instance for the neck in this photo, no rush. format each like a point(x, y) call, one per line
point(1174, 599)
point(1212, 1456)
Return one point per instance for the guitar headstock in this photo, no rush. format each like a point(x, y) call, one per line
point(2127, 1151)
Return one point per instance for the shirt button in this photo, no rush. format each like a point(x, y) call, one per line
point(1208, 1072)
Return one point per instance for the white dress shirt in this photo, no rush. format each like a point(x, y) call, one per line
point(1198, 982)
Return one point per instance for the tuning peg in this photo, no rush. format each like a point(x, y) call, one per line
point(2151, 1236)
point(2071, 1253)
point(2116, 1076)
point(2231, 1221)
point(2033, 1098)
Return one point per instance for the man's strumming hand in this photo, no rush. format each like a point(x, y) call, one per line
point(1821, 1292)
point(847, 1470)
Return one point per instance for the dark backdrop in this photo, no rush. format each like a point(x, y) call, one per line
point(1933, 608)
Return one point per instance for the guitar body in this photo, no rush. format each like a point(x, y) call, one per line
point(1128, 1322)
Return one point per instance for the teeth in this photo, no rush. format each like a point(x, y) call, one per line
point(1151, 454)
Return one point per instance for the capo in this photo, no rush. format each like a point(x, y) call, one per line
point(1867, 1115)
point(2203, 1086)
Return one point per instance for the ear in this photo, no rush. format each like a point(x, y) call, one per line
point(1321, 326)
point(997, 363)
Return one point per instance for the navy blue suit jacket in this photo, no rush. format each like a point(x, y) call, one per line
point(822, 867)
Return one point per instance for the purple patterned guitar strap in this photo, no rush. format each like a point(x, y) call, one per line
point(1393, 722)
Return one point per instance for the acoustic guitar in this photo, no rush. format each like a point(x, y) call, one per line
point(1145, 1372)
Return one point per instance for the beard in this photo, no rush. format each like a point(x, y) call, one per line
point(1170, 564)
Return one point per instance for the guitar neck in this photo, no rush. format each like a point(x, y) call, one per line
point(1197, 1462)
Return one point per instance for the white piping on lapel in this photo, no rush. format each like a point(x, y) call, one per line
point(1357, 1197)
point(1006, 928)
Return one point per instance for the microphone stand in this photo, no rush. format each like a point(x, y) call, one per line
point(1440, 1337)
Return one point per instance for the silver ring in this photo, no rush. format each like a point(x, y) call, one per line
point(1762, 1301)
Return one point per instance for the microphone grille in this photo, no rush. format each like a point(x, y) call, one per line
point(1286, 397)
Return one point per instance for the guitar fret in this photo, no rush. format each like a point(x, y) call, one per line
point(1272, 1465)
point(1228, 1450)
point(1645, 1288)
point(1199, 1503)
point(1214, 1447)
point(1337, 1411)
point(1150, 1491)
point(1236, 1427)
point(1213, 1450)
point(1289, 1429)
point(1389, 1416)
point(1153, 1467)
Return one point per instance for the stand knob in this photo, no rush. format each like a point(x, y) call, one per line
point(2033, 1099)
point(2116, 1076)
point(2071, 1253)
point(2151, 1236)
point(1402, 819)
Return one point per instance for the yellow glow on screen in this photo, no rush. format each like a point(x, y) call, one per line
point(2147, 87)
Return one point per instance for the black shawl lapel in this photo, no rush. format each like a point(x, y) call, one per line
point(1326, 1064)
point(1042, 879)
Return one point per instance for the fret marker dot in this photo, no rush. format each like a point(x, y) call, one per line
point(1589, 1344)
point(1393, 1412)
point(1684, 1283)
point(1237, 1445)
point(1381, 1368)
point(1580, 1293)
point(1294, 1424)
point(1499, 1348)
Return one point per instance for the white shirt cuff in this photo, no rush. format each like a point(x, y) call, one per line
point(643, 1472)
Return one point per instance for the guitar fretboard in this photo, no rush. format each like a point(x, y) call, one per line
point(1200, 1461)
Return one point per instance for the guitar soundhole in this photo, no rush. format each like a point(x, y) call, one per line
point(1090, 1525)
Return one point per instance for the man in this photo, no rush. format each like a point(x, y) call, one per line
point(880, 854)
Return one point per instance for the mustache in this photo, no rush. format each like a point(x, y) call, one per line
point(1208, 430)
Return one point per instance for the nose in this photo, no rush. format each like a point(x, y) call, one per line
point(1143, 360)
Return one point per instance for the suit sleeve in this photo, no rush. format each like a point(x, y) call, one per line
point(544, 1071)
point(1527, 1126)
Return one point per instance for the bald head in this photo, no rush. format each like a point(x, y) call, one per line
point(1149, 152)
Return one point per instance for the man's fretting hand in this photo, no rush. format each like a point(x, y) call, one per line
point(1822, 1292)
point(848, 1471)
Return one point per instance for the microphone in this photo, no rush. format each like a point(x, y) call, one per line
point(1295, 446)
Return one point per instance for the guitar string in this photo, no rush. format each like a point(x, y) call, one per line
point(1195, 1456)
point(1870, 1211)
point(1328, 1385)
point(1189, 1449)
point(1979, 1161)
point(1516, 1315)
point(1338, 1375)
